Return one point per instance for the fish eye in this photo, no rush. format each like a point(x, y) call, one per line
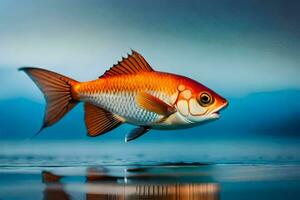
point(205, 99)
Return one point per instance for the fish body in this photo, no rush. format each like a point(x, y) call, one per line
point(130, 92)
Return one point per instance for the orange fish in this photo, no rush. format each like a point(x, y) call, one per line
point(129, 92)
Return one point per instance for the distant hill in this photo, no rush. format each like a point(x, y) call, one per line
point(272, 113)
point(22, 118)
point(264, 113)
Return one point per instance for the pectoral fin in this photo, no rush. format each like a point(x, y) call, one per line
point(154, 104)
point(137, 132)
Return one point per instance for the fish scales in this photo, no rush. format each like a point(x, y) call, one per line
point(117, 94)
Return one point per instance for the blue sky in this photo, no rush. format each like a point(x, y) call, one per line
point(233, 47)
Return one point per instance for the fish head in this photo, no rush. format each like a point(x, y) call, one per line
point(196, 103)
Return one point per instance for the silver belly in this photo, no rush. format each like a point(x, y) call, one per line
point(124, 106)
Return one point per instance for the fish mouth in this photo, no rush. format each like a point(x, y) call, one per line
point(215, 114)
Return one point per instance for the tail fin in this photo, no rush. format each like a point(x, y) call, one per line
point(58, 92)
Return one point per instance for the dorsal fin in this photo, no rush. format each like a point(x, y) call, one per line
point(133, 64)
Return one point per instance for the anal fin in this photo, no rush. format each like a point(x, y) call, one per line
point(137, 132)
point(99, 121)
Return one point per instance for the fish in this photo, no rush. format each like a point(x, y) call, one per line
point(132, 92)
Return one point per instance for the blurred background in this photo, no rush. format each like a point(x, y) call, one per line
point(247, 51)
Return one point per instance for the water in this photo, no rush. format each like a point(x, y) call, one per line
point(95, 169)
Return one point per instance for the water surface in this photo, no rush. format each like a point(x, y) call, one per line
point(232, 169)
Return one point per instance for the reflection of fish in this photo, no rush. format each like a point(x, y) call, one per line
point(102, 185)
point(130, 92)
point(54, 188)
